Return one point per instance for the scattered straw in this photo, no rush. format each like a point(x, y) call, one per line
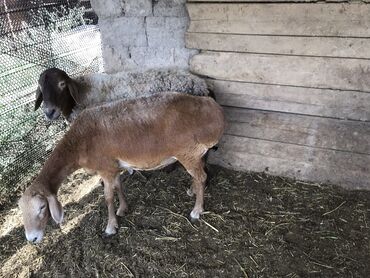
point(254, 261)
point(266, 226)
point(323, 265)
point(241, 268)
point(167, 238)
point(273, 228)
point(209, 225)
point(316, 262)
point(326, 213)
point(128, 270)
point(178, 215)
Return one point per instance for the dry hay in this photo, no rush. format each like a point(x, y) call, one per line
point(255, 226)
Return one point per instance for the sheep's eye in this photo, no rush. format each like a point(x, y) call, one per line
point(42, 211)
point(62, 85)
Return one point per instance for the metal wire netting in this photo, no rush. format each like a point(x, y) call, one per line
point(35, 35)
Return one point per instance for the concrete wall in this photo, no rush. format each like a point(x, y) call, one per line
point(139, 34)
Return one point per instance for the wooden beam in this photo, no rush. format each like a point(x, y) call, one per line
point(307, 101)
point(343, 20)
point(270, 1)
point(313, 72)
point(301, 162)
point(309, 46)
point(331, 134)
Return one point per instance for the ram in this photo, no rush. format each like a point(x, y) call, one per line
point(68, 96)
point(144, 134)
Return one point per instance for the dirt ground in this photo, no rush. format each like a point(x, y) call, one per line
point(255, 225)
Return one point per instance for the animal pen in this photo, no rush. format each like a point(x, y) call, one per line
point(288, 188)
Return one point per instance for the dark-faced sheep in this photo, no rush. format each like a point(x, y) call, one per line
point(68, 96)
point(144, 134)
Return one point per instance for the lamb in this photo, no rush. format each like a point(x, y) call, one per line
point(69, 96)
point(145, 134)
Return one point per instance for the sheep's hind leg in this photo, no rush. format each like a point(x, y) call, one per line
point(122, 200)
point(195, 168)
point(109, 181)
point(190, 191)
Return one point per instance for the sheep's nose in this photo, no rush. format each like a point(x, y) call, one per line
point(34, 236)
point(50, 113)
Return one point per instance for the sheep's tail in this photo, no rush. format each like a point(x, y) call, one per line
point(214, 148)
point(212, 94)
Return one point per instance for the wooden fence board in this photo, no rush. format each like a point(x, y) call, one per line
point(294, 80)
point(348, 20)
point(308, 131)
point(347, 169)
point(287, 45)
point(271, 1)
point(317, 102)
point(314, 72)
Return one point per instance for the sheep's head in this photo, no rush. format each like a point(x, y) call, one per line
point(36, 209)
point(58, 91)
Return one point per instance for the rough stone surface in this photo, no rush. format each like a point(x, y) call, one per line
point(126, 31)
point(137, 7)
point(166, 32)
point(183, 55)
point(143, 34)
point(147, 57)
point(117, 59)
point(170, 8)
point(134, 58)
point(105, 9)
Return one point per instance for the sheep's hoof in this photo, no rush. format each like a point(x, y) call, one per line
point(121, 211)
point(105, 235)
point(190, 192)
point(111, 229)
point(195, 215)
point(110, 232)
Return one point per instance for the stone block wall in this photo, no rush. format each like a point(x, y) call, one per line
point(141, 34)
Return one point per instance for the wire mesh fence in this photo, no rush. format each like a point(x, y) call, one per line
point(35, 35)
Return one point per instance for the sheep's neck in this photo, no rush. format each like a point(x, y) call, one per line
point(61, 163)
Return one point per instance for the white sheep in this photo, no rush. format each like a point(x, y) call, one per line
point(62, 94)
point(143, 134)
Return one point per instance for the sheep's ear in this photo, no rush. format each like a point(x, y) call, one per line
point(56, 209)
point(73, 90)
point(38, 99)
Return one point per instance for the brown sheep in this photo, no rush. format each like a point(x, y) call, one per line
point(144, 134)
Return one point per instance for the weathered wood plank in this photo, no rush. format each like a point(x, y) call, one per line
point(314, 72)
point(310, 46)
point(246, 1)
point(254, 1)
point(277, 1)
point(307, 101)
point(306, 163)
point(349, 20)
point(308, 131)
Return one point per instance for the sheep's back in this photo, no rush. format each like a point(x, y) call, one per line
point(130, 85)
point(171, 120)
